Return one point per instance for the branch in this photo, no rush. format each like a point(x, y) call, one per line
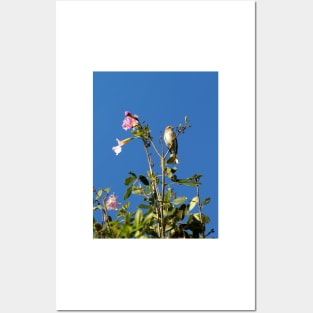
point(200, 206)
point(155, 185)
point(105, 217)
point(154, 147)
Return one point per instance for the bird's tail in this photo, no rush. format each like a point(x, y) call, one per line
point(174, 156)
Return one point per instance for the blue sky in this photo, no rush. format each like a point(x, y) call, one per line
point(159, 99)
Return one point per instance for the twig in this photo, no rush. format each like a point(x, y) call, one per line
point(200, 207)
point(163, 188)
point(210, 232)
point(105, 216)
point(155, 185)
point(154, 147)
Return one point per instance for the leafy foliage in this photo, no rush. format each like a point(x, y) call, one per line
point(161, 213)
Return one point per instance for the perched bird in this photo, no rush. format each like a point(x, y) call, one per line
point(171, 142)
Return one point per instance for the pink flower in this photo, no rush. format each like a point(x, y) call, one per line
point(118, 149)
point(130, 121)
point(112, 204)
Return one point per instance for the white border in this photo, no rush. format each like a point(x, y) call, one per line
point(155, 36)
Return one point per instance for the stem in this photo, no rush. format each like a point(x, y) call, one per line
point(163, 187)
point(154, 147)
point(105, 216)
point(160, 197)
point(159, 211)
point(200, 207)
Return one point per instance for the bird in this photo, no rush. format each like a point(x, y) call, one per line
point(171, 142)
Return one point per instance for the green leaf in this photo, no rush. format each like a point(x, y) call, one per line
point(174, 178)
point(129, 180)
point(126, 205)
point(195, 176)
point(138, 191)
point(149, 217)
point(168, 172)
point(168, 195)
point(169, 227)
point(127, 218)
point(138, 218)
point(171, 211)
point(97, 207)
point(181, 211)
point(193, 203)
point(205, 218)
point(185, 182)
point(99, 193)
point(179, 200)
point(138, 132)
point(144, 180)
point(132, 173)
point(152, 176)
point(143, 206)
point(97, 226)
point(206, 201)
point(107, 190)
point(128, 192)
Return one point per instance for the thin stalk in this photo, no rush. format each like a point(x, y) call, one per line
point(159, 210)
point(154, 147)
point(163, 182)
point(200, 208)
point(105, 216)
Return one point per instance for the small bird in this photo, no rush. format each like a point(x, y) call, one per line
point(171, 142)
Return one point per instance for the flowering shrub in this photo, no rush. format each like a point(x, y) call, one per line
point(162, 214)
